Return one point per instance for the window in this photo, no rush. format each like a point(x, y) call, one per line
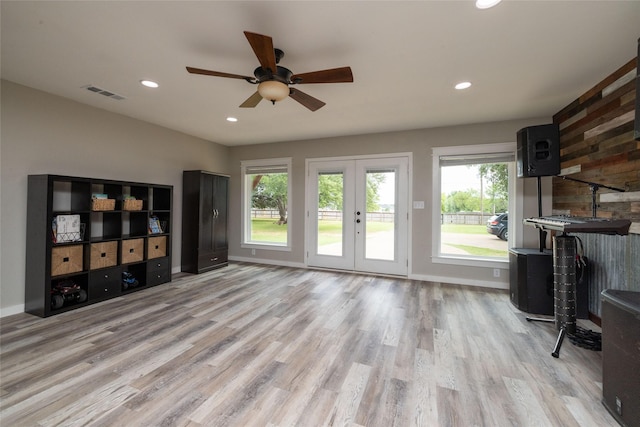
point(472, 187)
point(266, 203)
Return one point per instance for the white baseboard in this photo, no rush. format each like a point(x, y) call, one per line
point(421, 277)
point(268, 262)
point(460, 281)
point(14, 309)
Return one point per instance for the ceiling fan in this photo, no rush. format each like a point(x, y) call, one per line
point(273, 80)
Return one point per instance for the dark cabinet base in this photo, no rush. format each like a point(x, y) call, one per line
point(158, 271)
point(104, 283)
point(212, 260)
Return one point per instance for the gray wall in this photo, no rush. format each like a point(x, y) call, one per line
point(46, 134)
point(43, 133)
point(418, 142)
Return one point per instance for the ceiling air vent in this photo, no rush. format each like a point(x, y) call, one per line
point(104, 92)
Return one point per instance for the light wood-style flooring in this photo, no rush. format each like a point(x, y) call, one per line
point(252, 345)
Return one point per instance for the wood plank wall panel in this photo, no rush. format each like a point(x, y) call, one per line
point(597, 145)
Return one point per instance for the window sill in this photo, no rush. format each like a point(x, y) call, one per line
point(470, 261)
point(266, 246)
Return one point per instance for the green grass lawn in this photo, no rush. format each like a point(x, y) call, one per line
point(267, 230)
point(477, 251)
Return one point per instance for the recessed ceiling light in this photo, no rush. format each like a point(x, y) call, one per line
point(463, 85)
point(232, 119)
point(486, 4)
point(149, 83)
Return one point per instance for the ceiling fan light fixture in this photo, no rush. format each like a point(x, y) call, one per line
point(486, 4)
point(273, 90)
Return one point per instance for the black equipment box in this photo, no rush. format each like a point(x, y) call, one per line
point(621, 355)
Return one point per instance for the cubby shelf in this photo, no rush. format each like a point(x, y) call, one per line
point(87, 258)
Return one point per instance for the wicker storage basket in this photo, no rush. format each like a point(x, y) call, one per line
point(132, 205)
point(156, 247)
point(103, 204)
point(66, 259)
point(104, 254)
point(132, 250)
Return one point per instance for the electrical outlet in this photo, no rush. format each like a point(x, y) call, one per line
point(496, 272)
point(618, 405)
point(253, 251)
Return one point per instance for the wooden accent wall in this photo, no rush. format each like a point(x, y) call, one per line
point(597, 145)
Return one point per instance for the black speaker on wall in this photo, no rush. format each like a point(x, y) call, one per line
point(538, 151)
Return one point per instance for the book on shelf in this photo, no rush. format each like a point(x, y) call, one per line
point(67, 228)
point(155, 227)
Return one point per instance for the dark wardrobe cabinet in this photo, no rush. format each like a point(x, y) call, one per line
point(204, 221)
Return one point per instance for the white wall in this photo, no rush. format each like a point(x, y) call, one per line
point(46, 134)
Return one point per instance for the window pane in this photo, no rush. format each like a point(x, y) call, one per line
point(268, 207)
point(380, 215)
point(473, 196)
point(330, 213)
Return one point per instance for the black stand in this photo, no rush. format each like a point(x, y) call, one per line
point(594, 190)
point(564, 279)
point(542, 234)
point(564, 284)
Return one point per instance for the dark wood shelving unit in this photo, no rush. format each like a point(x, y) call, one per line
point(111, 242)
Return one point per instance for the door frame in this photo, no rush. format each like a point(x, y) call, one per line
point(309, 202)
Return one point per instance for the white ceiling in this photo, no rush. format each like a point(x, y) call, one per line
point(525, 59)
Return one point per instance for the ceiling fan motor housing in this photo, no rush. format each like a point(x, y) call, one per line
point(282, 75)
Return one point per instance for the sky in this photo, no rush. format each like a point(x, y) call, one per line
point(459, 178)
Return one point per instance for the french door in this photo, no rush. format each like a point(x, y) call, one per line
point(357, 214)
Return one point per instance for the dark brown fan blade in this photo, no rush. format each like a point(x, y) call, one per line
point(252, 101)
point(334, 75)
point(218, 74)
point(263, 48)
point(307, 100)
